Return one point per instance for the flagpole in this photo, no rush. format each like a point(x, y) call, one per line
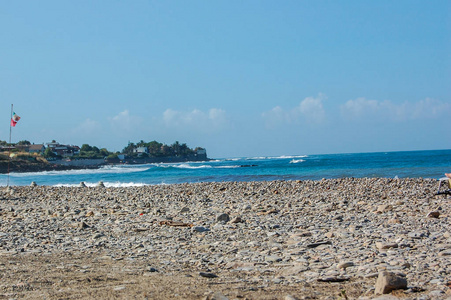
point(9, 147)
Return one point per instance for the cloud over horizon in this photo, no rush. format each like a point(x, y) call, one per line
point(87, 127)
point(310, 110)
point(207, 122)
point(124, 122)
point(362, 108)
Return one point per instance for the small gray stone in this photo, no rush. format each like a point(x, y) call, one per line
point(272, 258)
point(344, 265)
point(386, 297)
point(436, 293)
point(237, 219)
point(81, 225)
point(417, 235)
point(200, 229)
point(223, 218)
point(218, 296)
point(384, 208)
point(382, 246)
point(388, 281)
point(184, 210)
point(208, 275)
point(433, 214)
point(445, 253)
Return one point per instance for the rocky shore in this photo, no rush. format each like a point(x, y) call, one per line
point(328, 239)
point(23, 166)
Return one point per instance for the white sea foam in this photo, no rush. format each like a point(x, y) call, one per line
point(102, 170)
point(183, 166)
point(187, 166)
point(293, 156)
point(277, 157)
point(106, 184)
point(296, 161)
point(227, 167)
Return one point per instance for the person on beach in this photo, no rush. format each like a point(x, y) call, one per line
point(449, 179)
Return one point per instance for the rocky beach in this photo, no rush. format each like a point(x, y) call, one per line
point(329, 239)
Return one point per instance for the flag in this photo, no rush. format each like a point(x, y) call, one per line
point(14, 119)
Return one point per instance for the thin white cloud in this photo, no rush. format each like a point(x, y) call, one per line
point(124, 122)
point(362, 108)
point(310, 110)
point(276, 116)
point(430, 108)
point(88, 127)
point(212, 120)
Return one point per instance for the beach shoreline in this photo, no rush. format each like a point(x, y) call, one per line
point(237, 240)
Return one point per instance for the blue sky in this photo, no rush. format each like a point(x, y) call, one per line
point(240, 78)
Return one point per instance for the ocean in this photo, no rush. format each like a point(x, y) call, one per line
point(405, 164)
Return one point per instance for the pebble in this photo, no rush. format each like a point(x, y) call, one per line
point(223, 218)
point(389, 281)
point(308, 231)
point(208, 275)
point(272, 258)
point(216, 296)
point(200, 229)
point(344, 265)
point(433, 214)
point(382, 246)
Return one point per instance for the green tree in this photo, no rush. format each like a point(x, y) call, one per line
point(129, 150)
point(24, 142)
point(176, 148)
point(104, 152)
point(49, 154)
point(155, 148)
point(85, 148)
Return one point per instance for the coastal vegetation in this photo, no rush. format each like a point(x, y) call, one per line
point(86, 151)
point(25, 155)
point(157, 149)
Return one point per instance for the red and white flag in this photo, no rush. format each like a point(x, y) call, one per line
point(14, 119)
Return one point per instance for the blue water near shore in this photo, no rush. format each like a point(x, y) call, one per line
point(407, 164)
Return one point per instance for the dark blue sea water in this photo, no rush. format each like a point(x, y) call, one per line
point(412, 164)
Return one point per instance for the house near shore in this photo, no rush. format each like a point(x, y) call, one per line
point(141, 150)
point(38, 148)
point(7, 148)
point(201, 152)
point(63, 150)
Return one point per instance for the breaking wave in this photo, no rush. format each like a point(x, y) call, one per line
point(296, 161)
point(277, 157)
point(102, 170)
point(107, 184)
